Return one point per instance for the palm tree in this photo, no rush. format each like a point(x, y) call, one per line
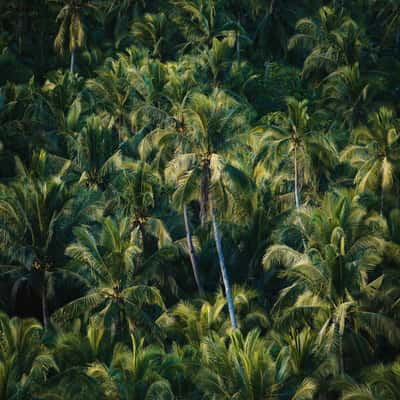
point(202, 172)
point(136, 189)
point(347, 93)
point(95, 153)
point(71, 25)
point(305, 361)
point(190, 322)
point(197, 20)
point(329, 283)
point(25, 363)
point(37, 214)
point(380, 382)
point(107, 263)
point(307, 148)
point(375, 153)
point(153, 33)
point(129, 91)
point(243, 369)
point(139, 372)
point(332, 39)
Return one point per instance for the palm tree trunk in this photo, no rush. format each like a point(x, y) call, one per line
point(204, 192)
point(192, 253)
point(296, 179)
point(72, 66)
point(224, 272)
point(267, 65)
point(238, 40)
point(44, 305)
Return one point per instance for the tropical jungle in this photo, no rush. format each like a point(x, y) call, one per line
point(199, 199)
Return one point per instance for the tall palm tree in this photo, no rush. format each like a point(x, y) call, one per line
point(375, 153)
point(202, 172)
point(37, 213)
point(329, 283)
point(95, 153)
point(306, 148)
point(71, 28)
point(332, 39)
point(107, 263)
point(137, 188)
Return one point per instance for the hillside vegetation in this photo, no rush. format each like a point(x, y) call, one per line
point(199, 199)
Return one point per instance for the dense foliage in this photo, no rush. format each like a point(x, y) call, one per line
point(199, 199)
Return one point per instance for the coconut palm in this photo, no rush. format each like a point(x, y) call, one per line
point(25, 363)
point(153, 33)
point(37, 215)
point(375, 153)
point(136, 188)
point(139, 372)
point(293, 146)
point(348, 93)
point(71, 29)
point(190, 322)
point(330, 281)
point(380, 381)
point(243, 369)
point(95, 153)
point(197, 20)
point(200, 168)
point(332, 39)
point(107, 263)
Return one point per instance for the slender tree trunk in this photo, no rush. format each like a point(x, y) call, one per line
point(297, 193)
point(204, 192)
point(267, 65)
point(238, 46)
point(341, 361)
point(382, 200)
point(224, 272)
point(192, 253)
point(272, 7)
point(72, 66)
point(296, 179)
point(144, 240)
point(44, 305)
point(238, 40)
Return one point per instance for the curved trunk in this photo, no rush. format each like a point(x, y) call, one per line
point(192, 253)
point(224, 272)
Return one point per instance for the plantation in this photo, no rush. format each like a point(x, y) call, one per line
point(199, 199)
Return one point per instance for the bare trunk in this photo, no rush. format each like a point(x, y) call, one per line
point(272, 7)
point(204, 192)
point(296, 179)
point(144, 239)
point(297, 194)
point(44, 305)
point(192, 253)
point(224, 272)
point(266, 70)
point(382, 200)
point(72, 66)
point(238, 41)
